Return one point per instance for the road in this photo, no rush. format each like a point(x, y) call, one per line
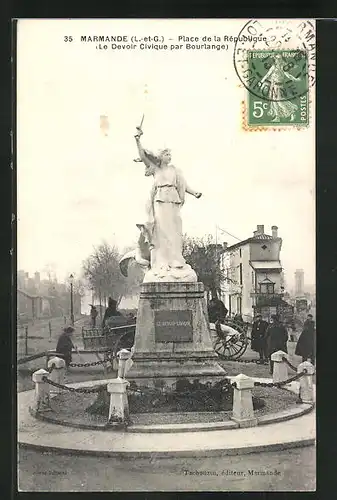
point(289, 470)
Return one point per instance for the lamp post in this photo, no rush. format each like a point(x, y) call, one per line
point(71, 280)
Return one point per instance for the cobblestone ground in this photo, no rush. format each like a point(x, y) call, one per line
point(289, 470)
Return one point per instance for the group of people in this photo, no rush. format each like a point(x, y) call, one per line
point(268, 338)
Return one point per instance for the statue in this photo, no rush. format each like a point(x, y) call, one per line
point(159, 248)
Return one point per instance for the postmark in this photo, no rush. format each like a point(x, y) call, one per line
point(275, 62)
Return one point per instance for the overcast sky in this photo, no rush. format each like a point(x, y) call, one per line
point(77, 187)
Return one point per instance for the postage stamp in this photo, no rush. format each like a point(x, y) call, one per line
point(275, 62)
point(280, 81)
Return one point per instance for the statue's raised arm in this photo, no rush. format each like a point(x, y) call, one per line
point(145, 156)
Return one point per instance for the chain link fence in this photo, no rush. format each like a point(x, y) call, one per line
point(82, 390)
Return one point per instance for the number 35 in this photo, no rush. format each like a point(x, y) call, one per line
point(68, 38)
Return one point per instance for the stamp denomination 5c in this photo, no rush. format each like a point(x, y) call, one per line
point(280, 82)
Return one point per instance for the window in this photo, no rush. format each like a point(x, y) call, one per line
point(240, 253)
point(253, 278)
point(240, 274)
point(239, 305)
point(267, 288)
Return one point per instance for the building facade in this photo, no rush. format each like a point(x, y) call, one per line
point(253, 275)
point(38, 298)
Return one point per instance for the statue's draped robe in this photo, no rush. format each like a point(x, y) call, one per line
point(163, 223)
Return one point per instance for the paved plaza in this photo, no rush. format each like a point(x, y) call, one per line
point(287, 470)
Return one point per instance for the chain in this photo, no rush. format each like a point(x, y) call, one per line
point(280, 384)
point(287, 362)
point(226, 358)
point(85, 365)
point(276, 384)
point(83, 390)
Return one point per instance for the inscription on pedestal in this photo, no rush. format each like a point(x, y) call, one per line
point(173, 326)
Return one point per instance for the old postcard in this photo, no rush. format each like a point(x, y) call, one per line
point(166, 299)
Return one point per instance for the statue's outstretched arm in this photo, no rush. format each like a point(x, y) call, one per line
point(191, 191)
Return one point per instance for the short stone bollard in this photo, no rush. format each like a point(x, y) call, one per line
point(57, 368)
point(41, 390)
point(119, 406)
point(306, 392)
point(125, 362)
point(243, 412)
point(280, 368)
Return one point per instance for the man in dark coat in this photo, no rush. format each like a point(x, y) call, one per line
point(93, 315)
point(259, 338)
point(217, 311)
point(306, 343)
point(65, 344)
point(276, 338)
point(111, 311)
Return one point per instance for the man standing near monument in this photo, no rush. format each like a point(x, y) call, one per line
point(276, 338)
point(259, 338)
point(65, 345)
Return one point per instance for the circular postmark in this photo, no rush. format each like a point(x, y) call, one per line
point(275, 60)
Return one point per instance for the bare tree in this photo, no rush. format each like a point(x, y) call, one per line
point(102, 272)
point(204, 256)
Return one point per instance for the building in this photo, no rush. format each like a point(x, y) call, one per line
point(38, 298)
point(299, 283)
point(253, 279)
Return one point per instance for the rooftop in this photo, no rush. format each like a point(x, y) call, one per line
point(259, 235)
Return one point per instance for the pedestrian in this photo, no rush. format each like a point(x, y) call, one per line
point(65, 345)
point(276, 338)
point(111, 311)
point(217, 311)
point(306, 343)
point(259, 338)
point(93, 315)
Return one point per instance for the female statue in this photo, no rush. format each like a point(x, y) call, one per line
point(162, 230)
point(277, 77)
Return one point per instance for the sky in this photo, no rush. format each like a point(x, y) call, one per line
point(78, 187)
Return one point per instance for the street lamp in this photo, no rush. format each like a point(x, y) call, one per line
point(71, 280)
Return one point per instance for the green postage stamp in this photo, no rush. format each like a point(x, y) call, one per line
point(278, 88)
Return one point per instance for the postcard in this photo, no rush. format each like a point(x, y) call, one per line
point(166, 298)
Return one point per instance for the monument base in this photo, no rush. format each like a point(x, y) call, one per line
point(172, 340)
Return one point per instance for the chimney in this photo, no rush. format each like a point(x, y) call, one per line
point(274, 231)
point(260, 229)
point(225, 245)
point(255, 233)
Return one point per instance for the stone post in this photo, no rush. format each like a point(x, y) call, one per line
point(124, 364)
point(41, 390)
point(280, 368)
point(306, 392)
point(119, 406)
point(56, 367)
point(243, 412)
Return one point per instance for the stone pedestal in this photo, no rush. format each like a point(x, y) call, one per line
point(119, 406)
point(57, 369)
point(280, 368)
point(243, 412)
point(306, 392)
point(172, 338)
point(41, 402)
